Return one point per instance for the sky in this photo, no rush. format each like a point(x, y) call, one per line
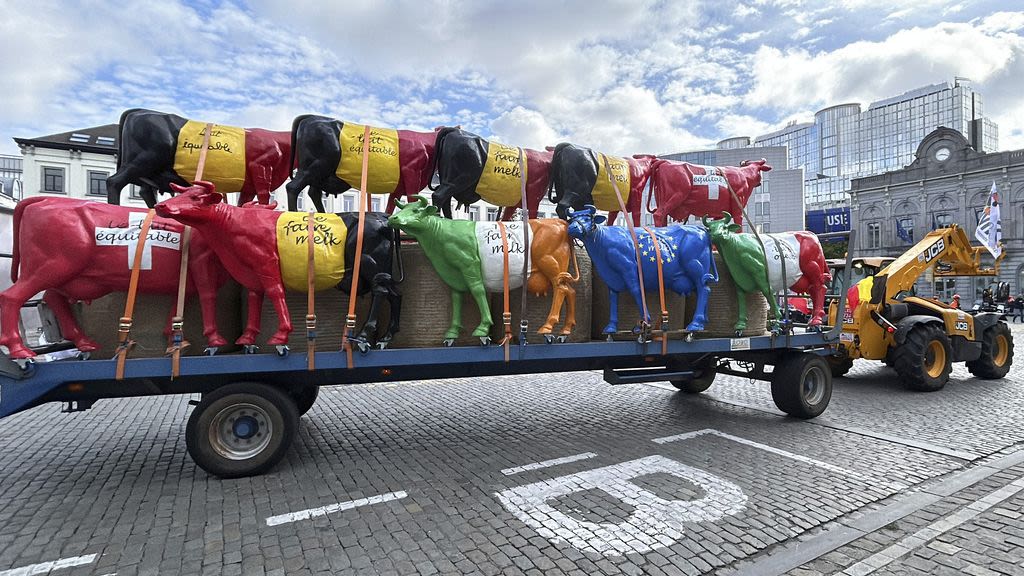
point(623, 77)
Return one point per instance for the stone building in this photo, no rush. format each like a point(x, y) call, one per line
point(948, 182)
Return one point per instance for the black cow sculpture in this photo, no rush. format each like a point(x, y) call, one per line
point(157, 149)
point(317, 155)
point(470, 168)
point(579, 178)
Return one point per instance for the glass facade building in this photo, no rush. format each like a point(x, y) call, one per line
point(845, 142)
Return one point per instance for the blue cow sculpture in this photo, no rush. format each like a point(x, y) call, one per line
point(687, 263)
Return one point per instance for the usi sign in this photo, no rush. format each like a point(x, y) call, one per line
point(829, 220)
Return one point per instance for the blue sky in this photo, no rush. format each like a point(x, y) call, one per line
point(625, 77)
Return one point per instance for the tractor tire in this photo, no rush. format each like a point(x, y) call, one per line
point(839, 366)
point(802, 385)
point(699, 383)
point(924, 360)
point(996, 353)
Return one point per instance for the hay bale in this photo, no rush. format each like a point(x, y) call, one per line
point(629, 312)
point(723, 311)
point(537, 307)
point(99, 321)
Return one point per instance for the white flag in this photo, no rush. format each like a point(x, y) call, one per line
point(989, 231)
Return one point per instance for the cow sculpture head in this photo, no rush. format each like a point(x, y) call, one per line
point(583, 222)
point(414, 216)
point(722, 228)
point(190, 201)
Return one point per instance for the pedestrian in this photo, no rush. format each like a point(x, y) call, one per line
point(956, 301)
point(1018, 308)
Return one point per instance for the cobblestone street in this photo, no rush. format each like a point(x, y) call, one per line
point(541, 474)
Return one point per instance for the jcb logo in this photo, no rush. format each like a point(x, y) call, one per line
point(934, 250)
point(961, 326)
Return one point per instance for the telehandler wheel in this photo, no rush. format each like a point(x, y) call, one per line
point(924, 360)
point(802, 385)
point(699, 383)
point(839, 365)
point(996, 353)
point(241, 429)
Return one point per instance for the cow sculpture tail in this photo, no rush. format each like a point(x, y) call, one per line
point(120, 133)
point(438, 143)
point(554, 190)
point(18, 210)
point(398, 256)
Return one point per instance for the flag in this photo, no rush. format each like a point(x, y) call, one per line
point(989, 231)
point(859, 292)
point(903, 233)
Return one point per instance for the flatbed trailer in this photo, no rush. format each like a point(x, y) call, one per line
point(251, 403)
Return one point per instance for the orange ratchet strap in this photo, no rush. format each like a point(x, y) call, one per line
point(178, 342)
point(350, 320)
point(124, 327)
point(506, 316)
point(310, 292)
point(644, 314)
point(524, 324)
point(663, 325)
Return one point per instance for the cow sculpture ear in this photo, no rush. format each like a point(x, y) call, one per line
point(431, 210)
point(734, 228)
point(599, 219)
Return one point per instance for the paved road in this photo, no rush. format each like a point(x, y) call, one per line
point(537, 475)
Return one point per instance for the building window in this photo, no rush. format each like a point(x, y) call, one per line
point(942, 220)
point(874, 235)
point(133, 192)
point(375, 204)
point(492, 214)
point(53, 180)
point(98, 183)
point(348, 203)
point(905, 230)
point(945, 288)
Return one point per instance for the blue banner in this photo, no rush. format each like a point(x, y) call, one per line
point(829, 220)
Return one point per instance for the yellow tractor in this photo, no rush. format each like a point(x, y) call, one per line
point(920, 338)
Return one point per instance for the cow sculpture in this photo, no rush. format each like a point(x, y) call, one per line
point(682, 189)
point(158, 149)
point(79, 250)
point(468, 256)
point(687, 263)
point(265, 251)
point(794, 260)
point(579, 177)
point(328, 153)
point(470, 168)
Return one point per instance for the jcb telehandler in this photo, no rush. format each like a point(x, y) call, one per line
point(884, 319)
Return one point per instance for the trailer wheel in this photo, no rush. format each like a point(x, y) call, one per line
point(839, 365)
point(924, 361)
point(996, 353)
point(241, 429)
point(802, 385)
point(700, 383)
point(305, 397)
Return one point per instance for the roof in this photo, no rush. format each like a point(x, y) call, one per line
point(98, 139)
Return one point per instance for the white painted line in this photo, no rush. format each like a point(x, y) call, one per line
point(548, 463)
point(832, 467)
point(932, 531)
point(46, 567)
point(325, 510)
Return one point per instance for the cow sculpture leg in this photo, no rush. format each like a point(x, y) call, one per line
point(12, 299)
point(252, 324)
point(694, 269)
point(69, 328)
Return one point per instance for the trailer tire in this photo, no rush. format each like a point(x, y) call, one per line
point(700, 383)
point(305, 397)
point(996, 353)
point(839, 366)
point(802, 385)
point(924, 360)
point(241, 429)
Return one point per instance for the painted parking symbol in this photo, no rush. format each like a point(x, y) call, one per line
point(654, 522)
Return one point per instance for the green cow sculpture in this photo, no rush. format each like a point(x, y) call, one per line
point(468, 256)
point(794, 261)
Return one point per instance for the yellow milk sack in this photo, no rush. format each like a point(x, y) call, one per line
point(225, 156)
point(499, 182)
point(329, 234)
point(604, 193)
point(384, 169)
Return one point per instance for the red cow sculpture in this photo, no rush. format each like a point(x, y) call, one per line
point(79, 250)
point(576, 172)
point(316, 155)
point(148, 142)
point(683, 189)
point(247, 242)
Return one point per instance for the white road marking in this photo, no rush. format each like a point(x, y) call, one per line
point(933, 530)
point(46, 567)
point(325, 510)
point(832, 467)
point(547, 463)
point(654, 523)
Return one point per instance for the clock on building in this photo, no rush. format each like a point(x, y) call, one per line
point(942, 154)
